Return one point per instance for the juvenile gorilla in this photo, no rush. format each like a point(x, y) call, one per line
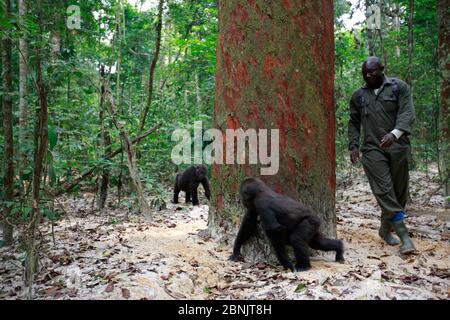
point(286, 222)
point(189, 180)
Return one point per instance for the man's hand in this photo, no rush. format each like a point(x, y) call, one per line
point(354, 156)
point(387, 140)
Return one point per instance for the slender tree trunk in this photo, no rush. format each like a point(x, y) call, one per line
point(41, 139)
point(275, 70)
point(370, 34)
point(119, 51)
point(8, 179)
point(105, 144)
point(153, 66)
point(186, 100)
point(409, 78)
point(131, 155)
point(383, 51)
point(197, 92)
point(443, 13)
point(23, 87)
point(109, 156)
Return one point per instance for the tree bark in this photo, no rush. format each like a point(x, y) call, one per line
point(443, 14)
point(153, 66)
point(8, 131)
point(23, 86)
point(275, 70)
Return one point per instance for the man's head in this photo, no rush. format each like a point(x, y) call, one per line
point(372, 70)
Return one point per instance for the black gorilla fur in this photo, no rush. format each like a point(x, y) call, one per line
point(188, 182)
point(286, 222)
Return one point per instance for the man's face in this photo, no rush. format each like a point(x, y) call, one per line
point(373, 74)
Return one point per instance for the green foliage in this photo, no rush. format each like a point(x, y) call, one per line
point(184, 83)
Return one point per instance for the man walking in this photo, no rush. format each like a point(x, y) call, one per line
point(384, 109)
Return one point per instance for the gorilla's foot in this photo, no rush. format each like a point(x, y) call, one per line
point(302, 268)
point(235, 257)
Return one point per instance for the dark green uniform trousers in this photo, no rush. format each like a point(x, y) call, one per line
point(388, 173)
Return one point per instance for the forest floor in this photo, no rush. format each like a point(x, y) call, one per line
point(115, 254)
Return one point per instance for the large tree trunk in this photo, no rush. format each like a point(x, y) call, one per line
point(443, 12)
point(275, 69)
point(8, 131)
point(23, 86)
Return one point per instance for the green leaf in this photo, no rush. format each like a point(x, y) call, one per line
point(52, 138)
point(51, 215)
point(25, 212)
point(207, 290)
point(52, 175)
point(300, 288)
point(15, 210)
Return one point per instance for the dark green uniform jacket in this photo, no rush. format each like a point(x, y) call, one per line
point(392, 108)
point(378, 114)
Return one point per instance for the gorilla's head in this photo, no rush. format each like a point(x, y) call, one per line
point(201, 172)
point(250, 187)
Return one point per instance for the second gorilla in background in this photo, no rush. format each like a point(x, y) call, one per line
point(188, 182)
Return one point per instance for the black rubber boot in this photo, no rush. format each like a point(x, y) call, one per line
point(385, 232)
point(402, 232)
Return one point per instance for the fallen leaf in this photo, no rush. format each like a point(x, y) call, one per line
point(193, 262)
point(72, 293)
point(125, 293)
point(51, 291)
point(109, 287)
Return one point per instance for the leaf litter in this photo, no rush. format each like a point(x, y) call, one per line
point(115, 254)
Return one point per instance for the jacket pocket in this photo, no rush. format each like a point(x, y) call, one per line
point(390, 104)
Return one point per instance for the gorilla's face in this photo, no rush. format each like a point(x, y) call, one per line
point(247, 199)
point(200, 172)
point(249, 189)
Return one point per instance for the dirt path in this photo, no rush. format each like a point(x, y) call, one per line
point(116, 255)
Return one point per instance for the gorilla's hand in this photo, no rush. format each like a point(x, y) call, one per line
point(289, 267)
point(300, 269)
